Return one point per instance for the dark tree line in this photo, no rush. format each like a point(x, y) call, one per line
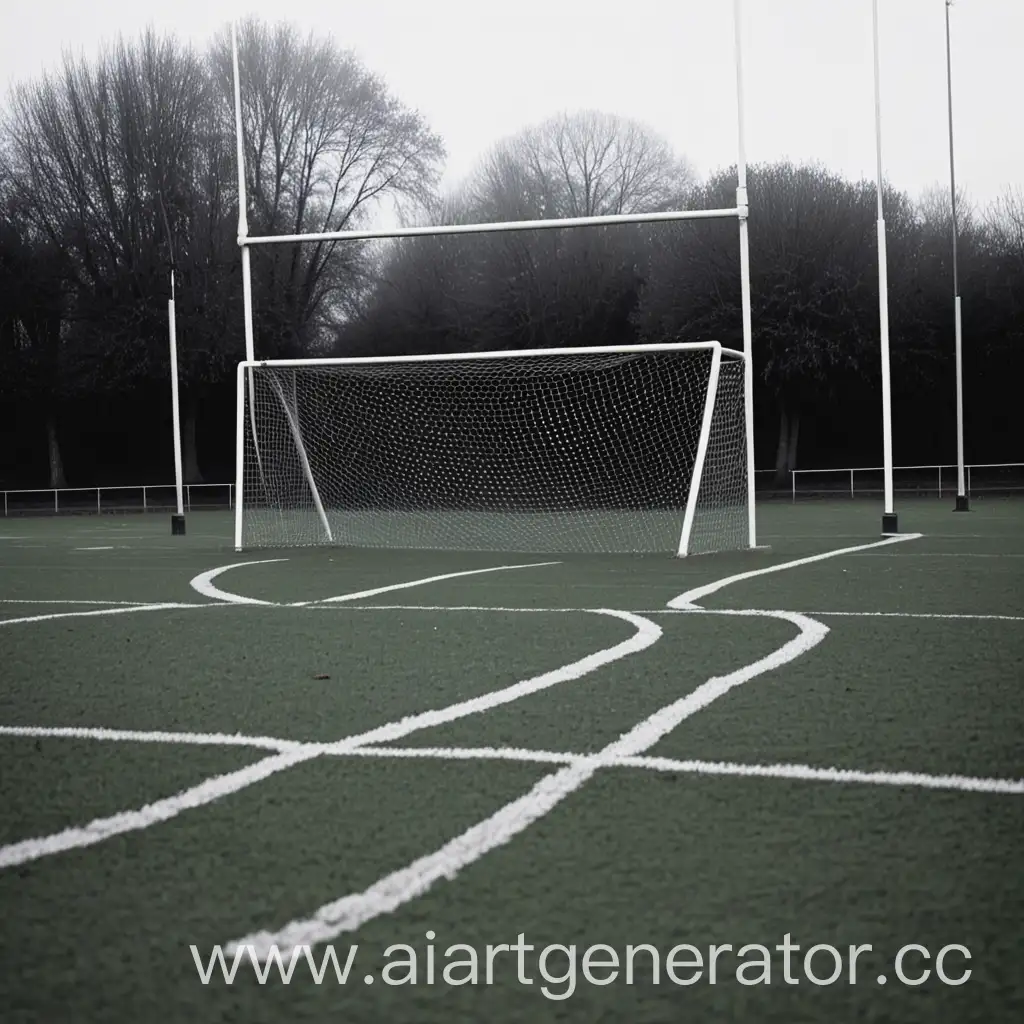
point(814, 285)
point(102, 160)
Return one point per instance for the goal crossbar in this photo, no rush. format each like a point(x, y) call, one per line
point(522, 353)
point(494, 227)
point(739, 212)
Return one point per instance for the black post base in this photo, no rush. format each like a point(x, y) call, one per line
point(889, 525)
point(962, 503)
point(177, 526)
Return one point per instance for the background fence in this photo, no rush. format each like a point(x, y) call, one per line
point(850, 481)
point(142, 498)
point(937, 481)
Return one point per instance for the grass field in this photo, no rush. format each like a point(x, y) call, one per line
point(399, 752)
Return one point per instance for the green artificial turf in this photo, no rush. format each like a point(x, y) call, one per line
point(905, 680)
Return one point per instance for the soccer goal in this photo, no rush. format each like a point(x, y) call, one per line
point(645, 448)
point(636, 449)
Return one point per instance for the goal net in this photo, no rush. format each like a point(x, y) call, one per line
point(639, 449)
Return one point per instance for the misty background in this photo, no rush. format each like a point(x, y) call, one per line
point(460, 113)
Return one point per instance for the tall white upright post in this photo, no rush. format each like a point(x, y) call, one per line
point(243, 222)
point(889, 520)
point(177, 521)
point(743, 208)
point(962, 501)
point(243, 234)
point(178, 518)
point(250, 347)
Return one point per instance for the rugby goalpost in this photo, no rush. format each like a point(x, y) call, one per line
point(365, 451)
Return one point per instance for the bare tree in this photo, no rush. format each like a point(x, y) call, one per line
point(999, 295)
point(567, 287)
point(326, 144)
point(89, 151)
point(106, 152)
point(813, 284)
point(583, 164)
point(1005, 220)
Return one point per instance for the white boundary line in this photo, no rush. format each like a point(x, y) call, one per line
point(203, 583)
point(400, 887)
point(121, 610)
point(920, 615)
point(803, 772)
point(957, 554)
point(117, 606)
point(57, 600)
point(697, 593)
point(162, 810)
point(646, 633)
point(197, 739)
point(660, 611)
point(418, 583)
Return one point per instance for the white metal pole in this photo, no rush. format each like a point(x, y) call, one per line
point(243, 223)
point(176, 416)
point(889, 520)
point(702, 449)
point(178, 519)
point(962, 504)
point(239, 452)
point(742, 207)
point(243, 235)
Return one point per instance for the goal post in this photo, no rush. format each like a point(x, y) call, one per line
point(300, 456)
point(602, 449)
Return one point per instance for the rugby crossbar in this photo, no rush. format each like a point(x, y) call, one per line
point(740, 212)
point(496, 227)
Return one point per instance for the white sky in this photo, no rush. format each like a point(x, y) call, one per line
point(480, 69)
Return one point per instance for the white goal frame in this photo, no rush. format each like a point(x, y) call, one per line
point(244, 378)
point(740, 212)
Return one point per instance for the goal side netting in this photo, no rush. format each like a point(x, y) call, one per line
point(637, 449)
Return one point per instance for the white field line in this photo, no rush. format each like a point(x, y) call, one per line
point(808, 773)
point(101, 547)
point(801, 772)
point(213, 789)
point(400, 887)
point(418, 583)
point(203, 583)
point(953, 554)
point(197, 739)
point(646, 634)
point(690, 597)
point(121, 610)
point(964, 783)
point(997, 520)
point(920, 615)
point(656, 611)
point(57, 600)
point(521, 611)
point(162, 810)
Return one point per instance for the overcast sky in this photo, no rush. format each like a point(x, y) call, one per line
point(480, 69)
